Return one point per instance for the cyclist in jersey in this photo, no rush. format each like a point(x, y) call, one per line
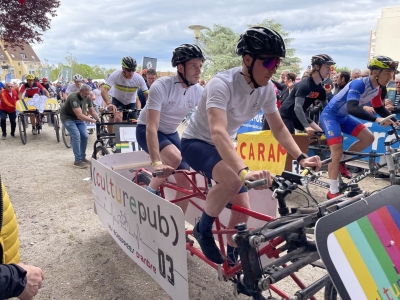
point(30, 89)
point(74, 87)
point(304, 94)
point(49, 87)
point(171, 98)
point(230, 99)
point(125, 84)
point(338, 115)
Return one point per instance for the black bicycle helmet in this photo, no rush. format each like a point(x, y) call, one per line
point(321, 59)
point(383, 62)
point(186, 52)
point(128, 63)
point(257, 41)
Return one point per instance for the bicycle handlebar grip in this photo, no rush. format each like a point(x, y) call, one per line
point(252, 184)
point(157, 173)
point(387, 118)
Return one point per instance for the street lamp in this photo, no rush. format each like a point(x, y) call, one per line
point(197, 29)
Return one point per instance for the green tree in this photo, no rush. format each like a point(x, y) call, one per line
point(344, 68)
point(219, 45)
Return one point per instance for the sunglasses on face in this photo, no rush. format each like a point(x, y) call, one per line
point(270, 62)
point(129, 70)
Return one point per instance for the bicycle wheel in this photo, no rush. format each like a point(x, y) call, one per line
point(66, 137)
point(331, 292)
point(100, 152)
point(57, 127)
point(21, 127)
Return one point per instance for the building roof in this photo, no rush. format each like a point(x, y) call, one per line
point(25, 53)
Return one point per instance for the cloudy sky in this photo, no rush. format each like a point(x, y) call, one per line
point(102, 32)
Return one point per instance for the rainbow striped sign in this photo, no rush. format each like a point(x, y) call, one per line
point(363, 256)
point(368, 253)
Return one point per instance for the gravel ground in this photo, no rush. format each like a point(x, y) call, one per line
point(60, 233)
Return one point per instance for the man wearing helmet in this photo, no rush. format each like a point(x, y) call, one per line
point(91, 83)
point(338, 115)
point(304, 94)
point(30, 89)
point(230, 99)
point(49, 87)
point(74, 87)
point(125, 84)
point(171, 98)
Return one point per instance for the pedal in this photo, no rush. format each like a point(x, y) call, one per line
point(190, 241)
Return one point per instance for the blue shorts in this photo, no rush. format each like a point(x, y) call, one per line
point(202, 157)
point(333, 127)
point(163, 140)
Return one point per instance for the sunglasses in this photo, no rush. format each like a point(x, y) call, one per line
point(129, 70)
point(270, 62)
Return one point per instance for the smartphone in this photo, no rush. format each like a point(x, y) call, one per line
point(327, 86)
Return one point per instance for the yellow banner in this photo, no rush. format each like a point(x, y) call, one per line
point(27, 104)
point(261, 151)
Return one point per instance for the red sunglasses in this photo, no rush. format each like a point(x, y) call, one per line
point(270, 62)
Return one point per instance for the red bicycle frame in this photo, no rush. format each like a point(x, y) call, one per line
point(269, 249)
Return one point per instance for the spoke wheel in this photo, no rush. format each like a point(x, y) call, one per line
point(100, 152)
point(66, 137)
point(22, 128)
point(57, 127)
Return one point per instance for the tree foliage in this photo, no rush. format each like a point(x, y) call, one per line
point(26, 21)
point(219, 45)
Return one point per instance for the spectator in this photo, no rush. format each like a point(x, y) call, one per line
point(202, 83)
point(50, 88)
point(58, 90)
point(365, 73)
point(91, 83)
point(152, 76)
point(16, 279)
point(283, 76)
point(307, 73)
point(343, 79)
point(7, 107)
point(356, 73)
point(144, 75)
point(393, 105)
point(98, 100)
point(1, 85)
point(289, 82)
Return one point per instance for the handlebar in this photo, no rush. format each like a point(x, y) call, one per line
point(386, 118)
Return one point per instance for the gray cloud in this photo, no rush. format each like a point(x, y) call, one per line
point(102, 32)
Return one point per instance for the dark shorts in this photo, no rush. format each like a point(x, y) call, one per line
point(202, 157)
point(163, 140)
point(119, 105)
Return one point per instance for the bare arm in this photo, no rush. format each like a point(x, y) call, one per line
point(221, 139)
point(104, 95)
point(81, 116)
point(153, 121)
point(93, 113)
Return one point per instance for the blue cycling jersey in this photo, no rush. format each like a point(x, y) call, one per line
point(360, 90)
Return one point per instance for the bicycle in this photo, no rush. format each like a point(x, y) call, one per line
point(282, 186)
point(50, 112)
point(102, 143)
point(67, 137)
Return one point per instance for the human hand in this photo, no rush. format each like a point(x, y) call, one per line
point(34, 278)
point(389, 107)
point(163, 170)
point(369, 109)
point(256, 175)
point(387, 102)
point(385, 123)
point(310, 131)
point(313, 162)
point(112, 108)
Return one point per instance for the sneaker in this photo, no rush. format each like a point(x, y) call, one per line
point(80, 165)
point(331, 196)
point(34, 131)
point(381, 176)
point(86, 161)
point(343, 171)
point(208, 246)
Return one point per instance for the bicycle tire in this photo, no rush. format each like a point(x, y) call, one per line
point(22, 129)
point(143, 178)
point(57, 127)
point(102, 150)
point(330, 292)
point(66, 137)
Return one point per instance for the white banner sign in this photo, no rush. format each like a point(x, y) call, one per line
point(149, 229)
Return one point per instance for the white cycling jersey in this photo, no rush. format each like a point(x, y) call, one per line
point(230, 92)
point(124, 90)
point(174, 102)
point(72, 88)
